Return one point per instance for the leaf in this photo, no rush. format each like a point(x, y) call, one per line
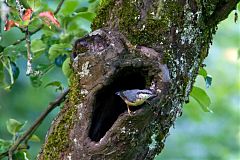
point(13, 126)
point(56, 84)
point(36, 80)
point(60, 59)
point(49, 18)
point(91, 1)
point(69, 7)
point(208, 81)
point(20, 155)
point(15, 70)
point(59, 49)
point(93, 6)
point(27, 14)
point(202, 98)
point(202, 72)
point(34, 4)
point(66, 68)
point(9, 24)
point(14, 52)
point(38, 47)
point(34, 138)
point(41, 69)
point(86, 15)
point(35, 23)
point(4, 145)
point(11, 72)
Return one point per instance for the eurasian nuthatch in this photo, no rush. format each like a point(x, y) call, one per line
point(135, 97)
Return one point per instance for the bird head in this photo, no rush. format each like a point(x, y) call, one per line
point(117, 93)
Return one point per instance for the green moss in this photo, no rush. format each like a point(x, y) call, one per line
point(103, 14)
point(166, 58)
point(127, 19)
point(58, 140)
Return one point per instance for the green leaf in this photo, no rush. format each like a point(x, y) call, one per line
point(4, 145)
point(34, 138)
point(66, 38)
point(34, 4)
point(56, 84)
point(202, 72)
point(69, 7)
point(50, 38)
point(86, 15)
point(15, 70)
point(81, 9)
point(20, 155)
point(11, 72)
point(93, 6)
point(38, 47)
point(13, 52)
point(36, 80)
point(66, 68)
point(35, 23)
point(59, 49)
point(41, 70)
point(202, 98)
point(91, 1)
point(13, 126)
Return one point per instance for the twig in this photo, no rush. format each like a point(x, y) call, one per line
point(20, 8)
point(50, 107)
point(41, 26)
point(31, 33)
point(59, 7)
point(29, 54)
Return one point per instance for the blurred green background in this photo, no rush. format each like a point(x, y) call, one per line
point(197, 135)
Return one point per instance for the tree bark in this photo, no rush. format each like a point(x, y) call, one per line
point(136, 44)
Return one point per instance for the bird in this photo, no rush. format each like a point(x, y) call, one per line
point(135, 97)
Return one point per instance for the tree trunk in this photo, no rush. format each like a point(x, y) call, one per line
point(136, 44)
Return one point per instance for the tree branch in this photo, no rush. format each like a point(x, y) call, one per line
point(26, 136)
point(41, 26)
point(221, 12)
point(59, 7)
point(29, 55)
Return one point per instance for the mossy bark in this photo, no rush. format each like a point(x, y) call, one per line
point(137, 44)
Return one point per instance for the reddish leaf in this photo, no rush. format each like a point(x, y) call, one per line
point(48, 17)
point(27, 14)
point(9, 24)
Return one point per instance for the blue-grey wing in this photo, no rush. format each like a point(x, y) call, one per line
point(131, 95)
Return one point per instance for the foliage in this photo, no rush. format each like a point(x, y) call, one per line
point(16, 129)
point(52, 47)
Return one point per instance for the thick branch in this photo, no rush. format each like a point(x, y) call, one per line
point(221, 12)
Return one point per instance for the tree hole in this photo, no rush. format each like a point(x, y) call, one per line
point(108, 106)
